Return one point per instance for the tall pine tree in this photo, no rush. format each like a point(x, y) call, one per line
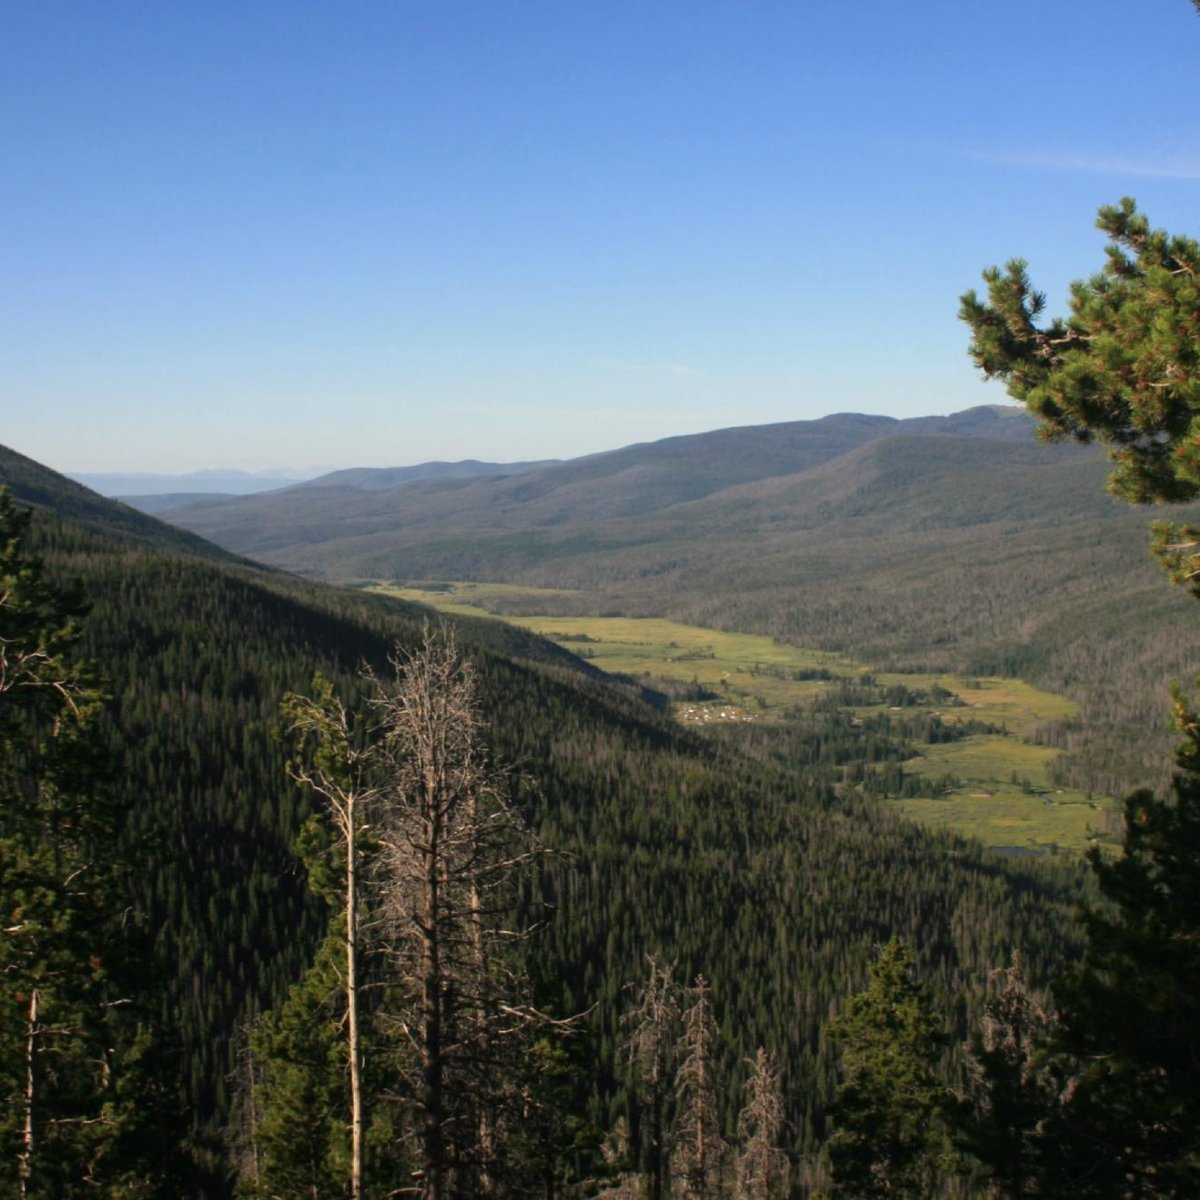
point(1124, 368)
point(889, 1136)
point(71, 1121)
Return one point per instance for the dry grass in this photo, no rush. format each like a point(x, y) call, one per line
point(1005, 797)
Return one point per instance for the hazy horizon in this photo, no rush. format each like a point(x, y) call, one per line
point(242, 236)
point(304, 473)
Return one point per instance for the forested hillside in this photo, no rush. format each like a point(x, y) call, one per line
point(755, 865)
point(955, 543)
point(335, 529)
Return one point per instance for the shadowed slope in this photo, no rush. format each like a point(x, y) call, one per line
point(40, 487)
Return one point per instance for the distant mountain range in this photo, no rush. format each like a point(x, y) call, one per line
point(200, 483)
point(156, 494)
point(378, 479)
point(945, 543)
point(385, 522)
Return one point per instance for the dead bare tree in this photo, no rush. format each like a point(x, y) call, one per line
point(651, 1046)
point(426, 847)
point(450, 843)
point(241, 1133)
point(762, 1168)
point(700, 1152)
point(1014, 1086)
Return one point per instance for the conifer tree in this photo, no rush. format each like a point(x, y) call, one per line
point(1124, 368)
point(70, 1034)
point(295, 1141)
point(1129, 1016)
point(1100, 1100)
point(889, 1136)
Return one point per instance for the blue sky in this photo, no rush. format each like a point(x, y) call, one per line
point(287, 234)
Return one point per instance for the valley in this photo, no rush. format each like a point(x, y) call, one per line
point(992, 785)
point(540, 661)
point(937, 546)
point(757, 733)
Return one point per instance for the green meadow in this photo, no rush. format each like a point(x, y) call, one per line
point(994, 787)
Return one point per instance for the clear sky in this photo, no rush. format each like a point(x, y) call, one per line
point(264, 233)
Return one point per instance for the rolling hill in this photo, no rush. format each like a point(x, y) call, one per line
point(333, 530)
point(948, 543)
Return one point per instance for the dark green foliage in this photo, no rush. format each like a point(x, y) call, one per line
point(290, 1132)
point(890, 1137)
point(1130, 1015)
point(293, 1133)
point(1110, 1107)
point(551, 1142)
point(76, 1104)
point(199, 657)
point(742, 860)
point(758, 881)
point(1123, 367)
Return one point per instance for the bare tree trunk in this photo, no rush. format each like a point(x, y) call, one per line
point(762, 1168)
point(356, 1098)
point(25, 1158)
point(251, 1154)
point(486, 1126)
point(337, 775)
point(434, 1147)
point(650, 1047)
point(700, 1150)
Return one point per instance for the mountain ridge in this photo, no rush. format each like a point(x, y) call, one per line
point(41, 487)
point(630, 482)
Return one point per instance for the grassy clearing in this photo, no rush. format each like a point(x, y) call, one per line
point(752, 672)
point(1001, 793)
point(1005, 797)
point(467, 592)
point(1008, 702)
point(1011, 819)
point(995, 760)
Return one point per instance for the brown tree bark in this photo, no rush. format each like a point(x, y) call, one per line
point(29, 1098)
